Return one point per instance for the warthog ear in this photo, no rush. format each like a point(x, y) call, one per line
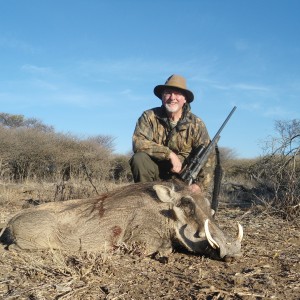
point(164, 193)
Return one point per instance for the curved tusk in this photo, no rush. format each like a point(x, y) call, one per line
point(241, 232)
point(211, 241)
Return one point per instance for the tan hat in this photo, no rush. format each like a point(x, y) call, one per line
point(177, 82)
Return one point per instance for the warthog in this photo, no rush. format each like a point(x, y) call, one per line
point(155, 216)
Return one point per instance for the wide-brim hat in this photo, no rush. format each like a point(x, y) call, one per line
point(177, 82)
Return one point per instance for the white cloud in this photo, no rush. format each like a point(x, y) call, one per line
point(43, 84)
point(277, 112)
point(241, 87)
point(12, 43)
point(241, 45)
point(251, 87)
point(251, 106)
point(126, 92)
point(35, 69)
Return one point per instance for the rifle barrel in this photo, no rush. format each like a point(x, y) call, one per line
point(224, 123)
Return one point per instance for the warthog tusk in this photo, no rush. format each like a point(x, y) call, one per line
point(211, 241)
point(241, 233)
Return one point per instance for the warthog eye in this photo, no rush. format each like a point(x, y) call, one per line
point(184, 201)
point(188, 205)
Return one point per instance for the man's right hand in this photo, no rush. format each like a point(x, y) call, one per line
point(176, 163)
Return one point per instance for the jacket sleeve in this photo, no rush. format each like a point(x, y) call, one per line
point(144, 139)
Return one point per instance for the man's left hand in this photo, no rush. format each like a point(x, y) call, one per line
point(195, 188)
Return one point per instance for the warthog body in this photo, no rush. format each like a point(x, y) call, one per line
point(154, 216)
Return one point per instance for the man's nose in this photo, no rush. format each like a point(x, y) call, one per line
point(173, 95)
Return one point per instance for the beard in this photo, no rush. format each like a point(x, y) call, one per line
point(172, 108)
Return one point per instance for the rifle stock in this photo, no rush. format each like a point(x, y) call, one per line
point(192, 169)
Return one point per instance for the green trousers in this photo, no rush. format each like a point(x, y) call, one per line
point(145, 169)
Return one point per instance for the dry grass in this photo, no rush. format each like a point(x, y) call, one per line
point(51, 275)
point(14, 196)
point(269, 269)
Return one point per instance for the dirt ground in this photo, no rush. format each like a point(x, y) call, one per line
point(269, 268)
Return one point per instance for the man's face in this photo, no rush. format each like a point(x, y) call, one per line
point(173, 100)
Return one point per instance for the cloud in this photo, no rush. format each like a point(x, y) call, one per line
point(133, 69)
point(241, 45)
point(126, 92)
point(251, 87)
point(277, 112)
point(43, 84)
point(12, 43)
point(35, 69)
point(252, 106)
point(241, 87)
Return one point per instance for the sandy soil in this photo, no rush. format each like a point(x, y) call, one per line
point(269, 269)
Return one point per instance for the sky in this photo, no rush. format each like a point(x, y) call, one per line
point(88, 67)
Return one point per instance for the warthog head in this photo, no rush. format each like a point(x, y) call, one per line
point(195, 227)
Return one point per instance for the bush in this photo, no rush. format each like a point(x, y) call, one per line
point(121, 171)
point(32, 153)
point(279, 169)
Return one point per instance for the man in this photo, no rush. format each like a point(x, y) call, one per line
point(166, 137)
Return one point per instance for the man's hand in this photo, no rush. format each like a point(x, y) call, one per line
point(176, 163)
point(195, 188)
point(176, 168)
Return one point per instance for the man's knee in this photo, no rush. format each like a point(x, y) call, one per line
point(139, 158)
point(143, 168)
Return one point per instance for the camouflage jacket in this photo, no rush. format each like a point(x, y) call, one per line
point(154, 135)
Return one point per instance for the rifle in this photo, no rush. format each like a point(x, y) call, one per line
point(197, 162)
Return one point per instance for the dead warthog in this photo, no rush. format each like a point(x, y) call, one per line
point(155, 216)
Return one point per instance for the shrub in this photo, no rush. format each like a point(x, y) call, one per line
point(31, 153)
point(120, 170)
point(279, 169)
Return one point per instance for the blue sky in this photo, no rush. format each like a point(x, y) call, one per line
point(89, 67)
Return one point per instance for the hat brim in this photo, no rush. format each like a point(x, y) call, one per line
point(158, 90)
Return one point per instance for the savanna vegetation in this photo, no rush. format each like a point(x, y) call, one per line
point(273, 179)
point(32, 152)
point(38, 164)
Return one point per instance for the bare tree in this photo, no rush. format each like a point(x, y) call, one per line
point(227, 155)
point(19, 121)
point(28, 153)
point(105, 141)
point(279, 168)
